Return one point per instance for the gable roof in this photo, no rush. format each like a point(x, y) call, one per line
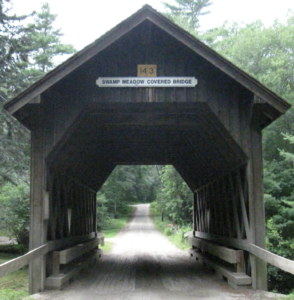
point(147, 13)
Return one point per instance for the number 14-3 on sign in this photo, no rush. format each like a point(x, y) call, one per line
point(146, 70)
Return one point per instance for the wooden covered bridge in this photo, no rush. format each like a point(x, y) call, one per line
point(147, 92)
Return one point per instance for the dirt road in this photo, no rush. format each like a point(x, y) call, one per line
point(144, 265)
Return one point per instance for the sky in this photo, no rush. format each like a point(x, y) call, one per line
point(82, 22)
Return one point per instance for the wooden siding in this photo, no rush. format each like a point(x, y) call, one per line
point(222, 93)
point(67, 194)
point(222, 207)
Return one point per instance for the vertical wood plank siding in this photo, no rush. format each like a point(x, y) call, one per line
point(69, 194)
point(172, 58)
point(222, 206)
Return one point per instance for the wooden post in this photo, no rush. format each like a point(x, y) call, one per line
point(256, 209)
point(38, 230)
point(95, 213)
point(194, 213)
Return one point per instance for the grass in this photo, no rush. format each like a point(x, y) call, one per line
point(3, 232)
point(13, 286)
point(107, 246)
point(112, 228)
point(175, 237)
point(4, 257)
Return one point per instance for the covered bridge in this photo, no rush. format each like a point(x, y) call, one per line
point(163, 97)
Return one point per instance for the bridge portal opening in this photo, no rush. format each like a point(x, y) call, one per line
point(154, 184)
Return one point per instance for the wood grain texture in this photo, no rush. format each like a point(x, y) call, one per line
point(22, 261)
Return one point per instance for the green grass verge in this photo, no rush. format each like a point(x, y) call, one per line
point(13, 286)
point(112, 228)
point(107, 246)
point(175, 237)
point(3, 232)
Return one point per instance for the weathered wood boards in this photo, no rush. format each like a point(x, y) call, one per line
point(235, 279)
point(85, 252)
point(221, 207)
point(234, 271)
point(61, 279)
point(65, 256)
point(229, 255)
point(38, 224)
point(72, 208)
point(24, 260)
point(273, 259)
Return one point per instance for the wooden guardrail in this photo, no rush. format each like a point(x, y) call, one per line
point(63, 270)
point(280, 262)
point(273, 259)
point(24, 260)
point(230, 263)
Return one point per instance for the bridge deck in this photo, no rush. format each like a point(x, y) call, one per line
point(144, 265)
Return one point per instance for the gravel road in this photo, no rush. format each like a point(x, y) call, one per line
point(144, 265)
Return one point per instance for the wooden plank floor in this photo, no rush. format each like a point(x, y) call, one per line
point(143, 265)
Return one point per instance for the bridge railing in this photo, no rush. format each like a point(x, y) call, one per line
point(280, 262)
point(24, 260)
point(273, 259)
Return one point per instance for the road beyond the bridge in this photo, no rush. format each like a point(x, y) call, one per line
point(144, 265)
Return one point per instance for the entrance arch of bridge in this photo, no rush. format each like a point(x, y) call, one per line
point(211, 134)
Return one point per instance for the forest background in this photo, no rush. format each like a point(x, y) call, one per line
point(29, 46)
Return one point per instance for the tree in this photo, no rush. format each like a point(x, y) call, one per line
point(14, 217)
point(45, 39)
point(128, 185)
point(14, 162)
point(14, 49)
point(26, 53)
point(187, 12)
point(267, 54)
point(175, 199)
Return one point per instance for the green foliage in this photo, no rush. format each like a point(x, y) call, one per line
point(13, 286)
point(131, 184)
point(45, 39)
point(187, 12)
point(175, 198)
point(267, 54)
point(14, 48)
point(107, 246)
point(28, 47)
point(10, 294)
point(115, 225)
point(4, 257)
point(290, 297)
point(126, 185)
point(168, 231)
point(174, 234)
point(14, 211)
point(279, 280)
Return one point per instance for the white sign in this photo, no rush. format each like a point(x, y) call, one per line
point(146, 82)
